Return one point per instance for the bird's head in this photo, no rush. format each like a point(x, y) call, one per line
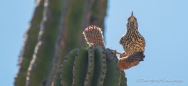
point(132, 22)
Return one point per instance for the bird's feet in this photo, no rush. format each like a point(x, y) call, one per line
point(120, 54)
point(111, 54)
point(114, 51)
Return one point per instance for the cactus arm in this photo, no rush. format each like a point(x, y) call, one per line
point(113, 75)
point(90, 67)
point(30, 42)
point(80, 67)
point(73, 24)
point(41, 66)
point(100, 66)
point(123, 79)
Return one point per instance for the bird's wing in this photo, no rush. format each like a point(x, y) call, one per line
point(121, 40)
point(144, 42)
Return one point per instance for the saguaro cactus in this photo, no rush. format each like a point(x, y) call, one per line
point(54, 30)
point(90, 66)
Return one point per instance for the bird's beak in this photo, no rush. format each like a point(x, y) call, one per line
point(132, 14)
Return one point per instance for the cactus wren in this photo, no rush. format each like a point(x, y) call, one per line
point(132, 41)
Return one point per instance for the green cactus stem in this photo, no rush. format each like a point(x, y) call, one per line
point(89, 66)
point(30, 41)
point(43, 64)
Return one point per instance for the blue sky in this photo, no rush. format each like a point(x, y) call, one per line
point(164, 24)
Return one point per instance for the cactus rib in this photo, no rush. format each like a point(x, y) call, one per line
point(57, 77)
point(90, 68)
point(100, 67)
point(113, 75)
point(80, 67)
point(66, 75)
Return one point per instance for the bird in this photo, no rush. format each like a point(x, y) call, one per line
point(132, 41)
point(133, 44)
